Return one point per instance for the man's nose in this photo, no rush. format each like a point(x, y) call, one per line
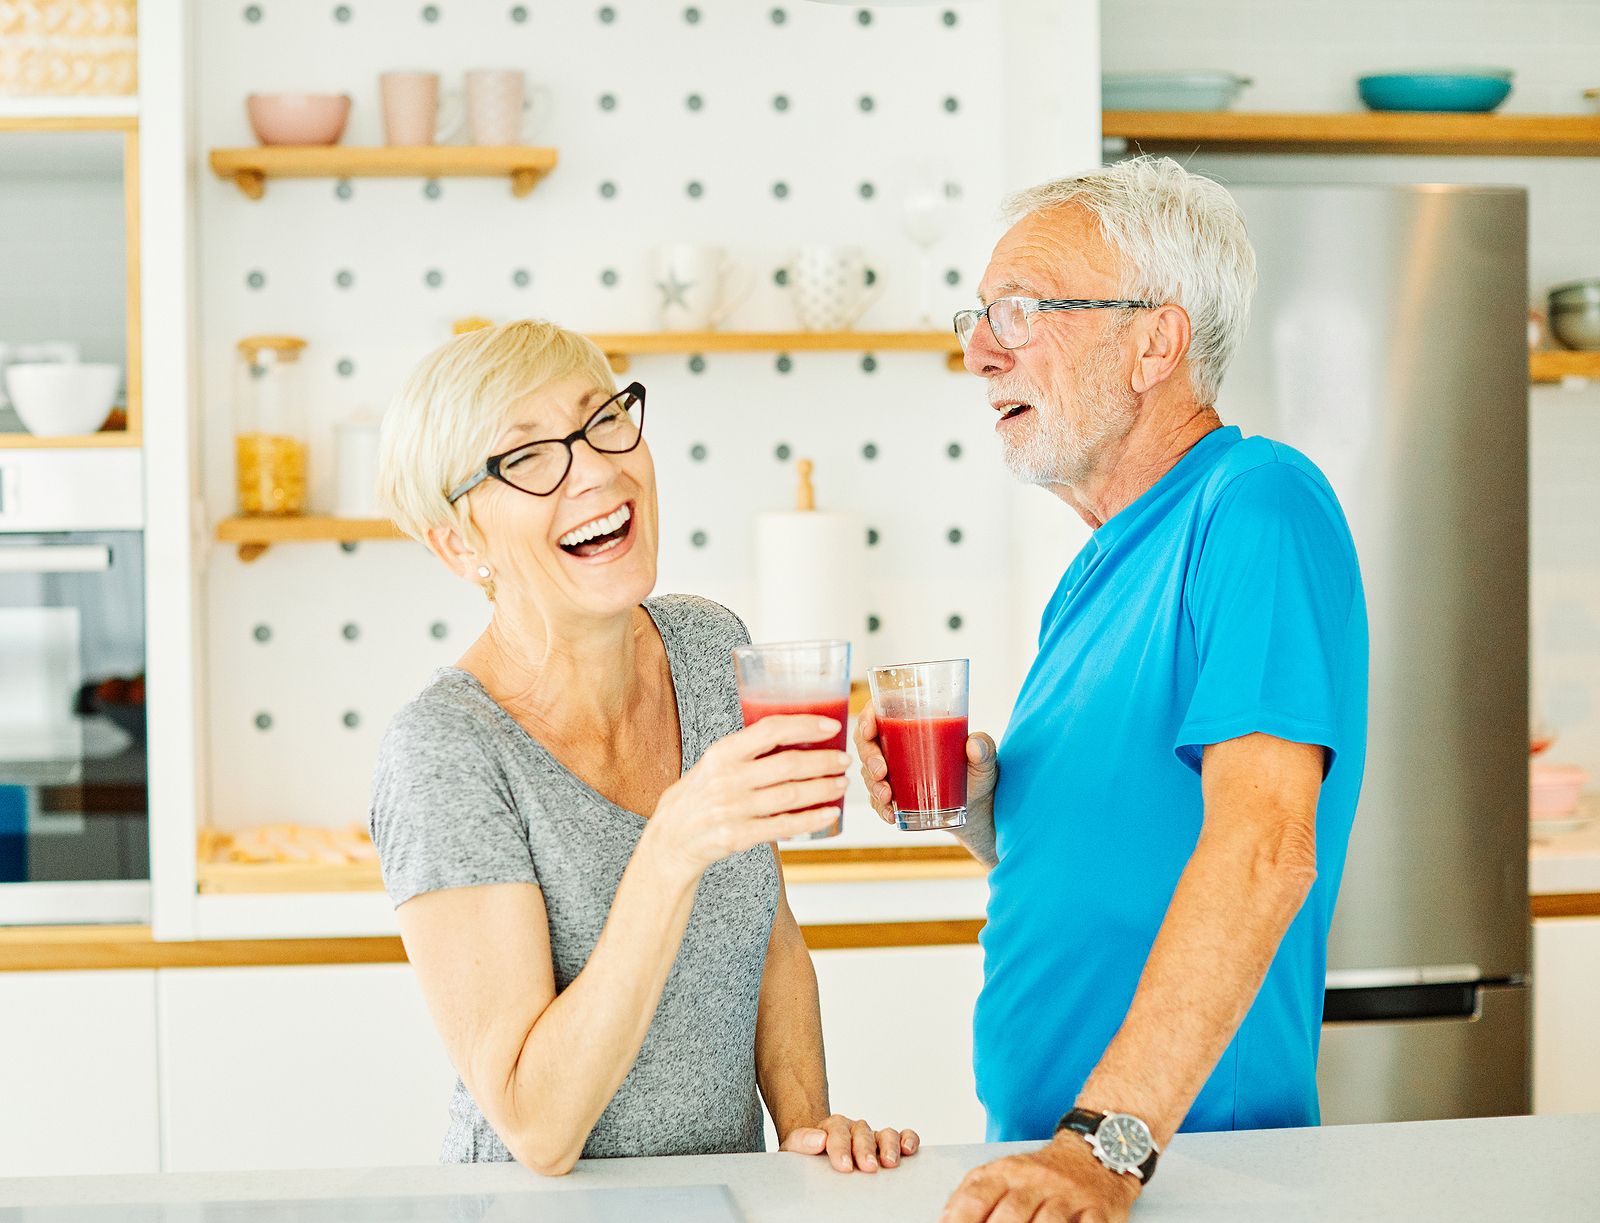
point(984, 356)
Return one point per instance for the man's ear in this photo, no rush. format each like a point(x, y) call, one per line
point(1162, 344)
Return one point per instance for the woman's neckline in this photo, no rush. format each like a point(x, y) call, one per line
point(663, 631)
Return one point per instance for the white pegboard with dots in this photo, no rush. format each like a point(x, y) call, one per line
point(759, 127)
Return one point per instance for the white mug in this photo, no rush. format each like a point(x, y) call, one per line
point(697, 287)
point(501, 109)
point(833, 287)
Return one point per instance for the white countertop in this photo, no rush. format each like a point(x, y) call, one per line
point(1569, 861)
point(1500, 1168)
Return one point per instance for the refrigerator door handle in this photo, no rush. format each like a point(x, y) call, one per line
point(1425, 974)
point(1398, 1003)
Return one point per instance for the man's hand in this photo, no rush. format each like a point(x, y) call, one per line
point(852, 1145)
point(983, 770)
point(1062, 1183)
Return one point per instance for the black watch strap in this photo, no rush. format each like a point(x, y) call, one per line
point(1086, 1121)
point(1083, 1121)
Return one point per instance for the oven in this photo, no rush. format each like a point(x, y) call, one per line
point(74, 758)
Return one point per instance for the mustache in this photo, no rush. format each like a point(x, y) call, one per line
point(999, 391)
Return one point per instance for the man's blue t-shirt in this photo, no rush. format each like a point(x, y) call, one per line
point(1224, 601)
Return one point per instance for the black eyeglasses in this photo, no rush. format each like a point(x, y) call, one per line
point(538, 468)
point(1009, 317)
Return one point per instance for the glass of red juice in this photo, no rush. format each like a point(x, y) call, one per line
point(798, 677)
point(922, 729)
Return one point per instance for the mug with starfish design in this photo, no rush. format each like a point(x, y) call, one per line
point(697, 287)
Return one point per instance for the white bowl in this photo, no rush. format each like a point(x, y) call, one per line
point(58, 400)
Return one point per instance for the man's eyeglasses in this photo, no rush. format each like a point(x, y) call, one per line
point(1009, 317)
point(538, 468)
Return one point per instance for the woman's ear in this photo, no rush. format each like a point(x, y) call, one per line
point(448, 544)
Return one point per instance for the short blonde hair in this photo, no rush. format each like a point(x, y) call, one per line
point(1182, 239)
point(455, 405)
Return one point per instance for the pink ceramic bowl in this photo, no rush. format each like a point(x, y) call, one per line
point(298, 118)
point(1553, 790)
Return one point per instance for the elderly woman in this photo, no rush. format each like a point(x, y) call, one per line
point(576, 832)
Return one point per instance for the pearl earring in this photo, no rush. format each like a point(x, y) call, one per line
point(484, 572)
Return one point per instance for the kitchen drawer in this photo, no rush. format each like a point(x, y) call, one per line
point(303, 1067)
point(78, 1073)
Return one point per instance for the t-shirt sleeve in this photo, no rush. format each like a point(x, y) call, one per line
point(442, 814)
point(1270, 597)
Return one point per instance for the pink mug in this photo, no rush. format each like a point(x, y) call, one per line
point(411, 109)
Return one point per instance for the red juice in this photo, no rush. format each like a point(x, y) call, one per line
point(927, 760)
point(755, 708)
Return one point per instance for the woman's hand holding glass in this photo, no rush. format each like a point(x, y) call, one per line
point(852, 1145)
point(746, 791)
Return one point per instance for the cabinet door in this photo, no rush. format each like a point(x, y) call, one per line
point(78, 1073)
point(1566, 1010)
point(897, 1023)
point(305, 1067)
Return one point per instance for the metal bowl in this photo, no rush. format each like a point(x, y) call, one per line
point(1575, 314)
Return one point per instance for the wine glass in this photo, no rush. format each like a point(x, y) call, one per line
point(928, 204)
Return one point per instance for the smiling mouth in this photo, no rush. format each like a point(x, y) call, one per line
point(599, 535)
point(1015, 410)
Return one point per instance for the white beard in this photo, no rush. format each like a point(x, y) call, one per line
point(1053, 451)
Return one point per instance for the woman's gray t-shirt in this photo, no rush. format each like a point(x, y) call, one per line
point(462, 795)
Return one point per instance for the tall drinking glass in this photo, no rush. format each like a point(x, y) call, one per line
point(922, 729)
point(798, 677)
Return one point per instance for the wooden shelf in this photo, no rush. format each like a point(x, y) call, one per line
point(620, 347)
point(250, 168)
point(866, 865)
point(76, 948)
point(110, 440)
point(255, 535)
point(1556, 366)
point(1357, 132)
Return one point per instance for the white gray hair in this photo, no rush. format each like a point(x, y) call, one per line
point(1181, 239)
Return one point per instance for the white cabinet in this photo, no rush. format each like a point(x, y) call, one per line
point(325, 1066)
point(897, 1023)
point(78, 1073)
point(1566, 1015)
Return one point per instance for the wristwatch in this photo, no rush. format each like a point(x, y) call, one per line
point(1119, 1141)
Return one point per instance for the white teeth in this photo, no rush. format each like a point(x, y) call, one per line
point(600, 526)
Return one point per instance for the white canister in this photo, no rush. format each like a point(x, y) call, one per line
point(355, 445)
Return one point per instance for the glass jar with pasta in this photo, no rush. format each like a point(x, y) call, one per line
point(270, 452)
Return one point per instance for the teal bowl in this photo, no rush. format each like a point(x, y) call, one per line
point(1477, 92)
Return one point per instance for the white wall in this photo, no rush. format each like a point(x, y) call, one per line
point(898, 439)
point(1304, 55)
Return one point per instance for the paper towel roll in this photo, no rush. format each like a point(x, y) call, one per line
point(356, 460)
point(810, 579)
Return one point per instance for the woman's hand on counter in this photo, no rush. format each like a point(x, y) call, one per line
point(746, 791)
point(852, 1145)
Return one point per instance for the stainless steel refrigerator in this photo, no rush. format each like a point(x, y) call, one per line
point(1387, 342)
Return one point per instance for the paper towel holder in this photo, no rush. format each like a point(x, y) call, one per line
point(805, 494)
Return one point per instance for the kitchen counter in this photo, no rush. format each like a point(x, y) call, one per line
point(1513, 1167)
point(1567, 864)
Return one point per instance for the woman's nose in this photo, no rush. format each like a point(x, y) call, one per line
point(590, 469)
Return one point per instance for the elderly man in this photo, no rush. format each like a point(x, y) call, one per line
point(1166, 818)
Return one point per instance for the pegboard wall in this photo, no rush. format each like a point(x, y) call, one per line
point(755, 126)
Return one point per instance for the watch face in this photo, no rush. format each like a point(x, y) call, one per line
point(1125, 1140)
